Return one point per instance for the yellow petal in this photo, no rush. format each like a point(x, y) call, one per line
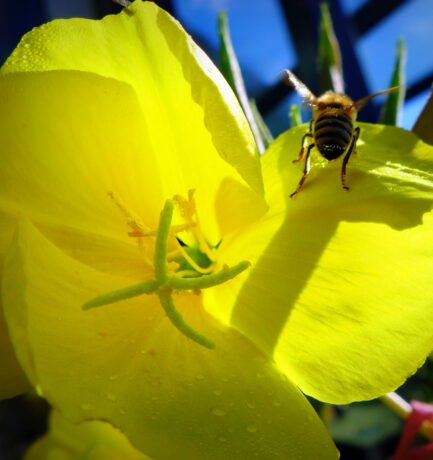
point(62, 156)
point(12, 378)
point(127, 364)
point(340, 291)
point(87, 441)
point(191, 113)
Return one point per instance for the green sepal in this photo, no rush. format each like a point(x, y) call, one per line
point(229, 67)
point(331, 69)
point(392, 109)
point(295, 115)
point(265, 132)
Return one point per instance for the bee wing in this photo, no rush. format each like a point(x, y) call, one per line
point(292, 80)
point(360, 102)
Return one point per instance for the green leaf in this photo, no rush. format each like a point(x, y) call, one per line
point(263, 128)
point(331, 69)
point(392, 109)
point(422, 126)
point(295, 115)
point(229, 67)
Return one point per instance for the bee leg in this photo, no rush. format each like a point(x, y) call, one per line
point(306, 171)
point(352, 149)
point(302, 152)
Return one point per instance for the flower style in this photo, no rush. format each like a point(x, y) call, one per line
point(106, 123)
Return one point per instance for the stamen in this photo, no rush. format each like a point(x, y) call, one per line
point(193, 263)
point(138, 228)
point(208, 281)
point(189, 211)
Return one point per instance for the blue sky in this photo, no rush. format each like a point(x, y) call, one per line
point(264, 45)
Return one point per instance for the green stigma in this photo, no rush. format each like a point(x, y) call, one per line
point(164, 282)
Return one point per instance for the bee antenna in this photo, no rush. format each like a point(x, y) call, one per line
point(361, 102)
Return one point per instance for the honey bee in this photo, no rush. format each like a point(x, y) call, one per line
point(331, 128)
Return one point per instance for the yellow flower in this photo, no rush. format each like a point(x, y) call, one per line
point(102, 123)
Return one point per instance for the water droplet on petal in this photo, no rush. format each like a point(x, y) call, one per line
point(251, 428)
point(218, 412)
point(111, 397)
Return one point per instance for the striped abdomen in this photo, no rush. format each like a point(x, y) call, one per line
point(333, 132)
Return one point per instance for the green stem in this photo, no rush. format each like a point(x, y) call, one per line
point(207, 281)
point(397, 404)
point(177, 320)
point(147, 287)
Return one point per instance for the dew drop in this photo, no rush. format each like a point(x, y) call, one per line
point(218, 412)
point(251, 428)
point(251, 405)
point(111, 397)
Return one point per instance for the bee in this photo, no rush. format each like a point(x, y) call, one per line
point(331, 128)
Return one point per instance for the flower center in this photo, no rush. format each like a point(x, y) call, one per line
point(195, 265)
